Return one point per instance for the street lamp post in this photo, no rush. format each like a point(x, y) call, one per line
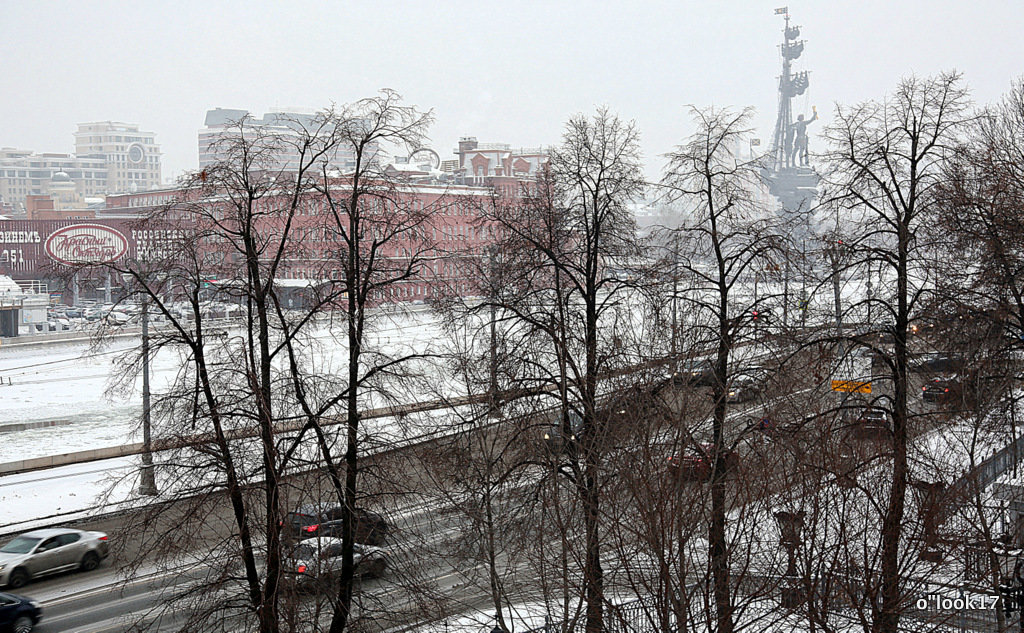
point(790, 525)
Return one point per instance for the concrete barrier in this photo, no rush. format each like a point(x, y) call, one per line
point(65, 459)
point(24, 426)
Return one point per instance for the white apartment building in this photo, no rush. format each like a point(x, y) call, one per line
point(24, 173)
point(221, 123)
point(131, 155)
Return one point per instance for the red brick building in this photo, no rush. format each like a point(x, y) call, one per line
point(42, 250)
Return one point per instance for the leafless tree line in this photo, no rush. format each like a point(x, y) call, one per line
point(610, 460)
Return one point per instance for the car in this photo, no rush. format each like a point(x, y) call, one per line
point(867, 421)
point(941, 389)
point(316, 561)
point(43, 552)
point(936, 363)
point(117, 318)
point(699, 372)
point(18, 614)
point(555, 440)
point(872, 416)
point(325, 520)
point(743, 388)
point(695, 465)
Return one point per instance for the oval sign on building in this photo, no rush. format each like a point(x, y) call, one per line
point(80, 244)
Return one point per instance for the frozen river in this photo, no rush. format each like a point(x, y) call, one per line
point(69, 384)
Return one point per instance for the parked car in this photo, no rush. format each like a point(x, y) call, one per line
point(317, 561)
point(18, 614)
point(325, 520)
point(50, 551)
point(117, 318)
point(696, 465)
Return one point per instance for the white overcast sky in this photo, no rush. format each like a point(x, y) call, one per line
point(509, 72)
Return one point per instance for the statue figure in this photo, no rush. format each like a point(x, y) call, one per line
point(799, 131)
point(787, 146)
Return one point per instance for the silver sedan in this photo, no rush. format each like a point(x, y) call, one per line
point(318, 560)
point(50, 551)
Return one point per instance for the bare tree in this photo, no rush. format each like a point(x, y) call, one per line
point(221, 418)
point(366, 218)
point(247, 222)
point(884, 162)
point(726, 242)
point(558, 240)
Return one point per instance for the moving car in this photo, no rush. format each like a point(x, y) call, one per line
point(554, 436)
point(696, 466)
point(744, 388)
point(937, 363)
point(50, 551)
point(318, 560)
point(700, 373)
point(941, 389)
point(325, 520)
point(18, 614)
point(867, 422)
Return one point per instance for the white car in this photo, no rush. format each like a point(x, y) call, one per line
point(50, 551)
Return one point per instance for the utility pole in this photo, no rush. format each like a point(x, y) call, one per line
point(869, 294)
point(805, 301)
point(147, 483)
point(835, 253)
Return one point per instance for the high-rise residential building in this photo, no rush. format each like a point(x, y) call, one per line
point(131, 155)
point(24, 173)
point(222, 123)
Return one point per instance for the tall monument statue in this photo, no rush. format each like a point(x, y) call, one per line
point(788, 172)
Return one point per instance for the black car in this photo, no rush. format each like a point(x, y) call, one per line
point(744, 388)
point(941, 389)
point(868, 422)
point(555, 439)
point(18, 614)
point(700, 372)
point(313, 520)
point(937, 363)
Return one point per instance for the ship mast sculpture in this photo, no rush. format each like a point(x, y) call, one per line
point(791, 179)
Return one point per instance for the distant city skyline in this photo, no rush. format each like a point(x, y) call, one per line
point(499, 76)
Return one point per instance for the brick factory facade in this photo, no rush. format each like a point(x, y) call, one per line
point(30, 249)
